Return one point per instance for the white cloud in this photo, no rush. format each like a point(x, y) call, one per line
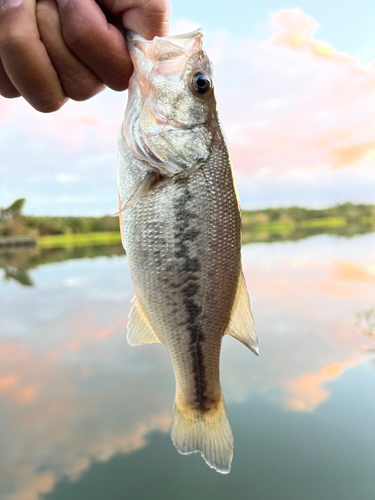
point(67, 178)
point(289, 104)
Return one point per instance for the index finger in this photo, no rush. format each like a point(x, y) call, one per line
point(25, 58)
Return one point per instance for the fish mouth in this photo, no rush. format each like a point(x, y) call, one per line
point(166, 48)
point(180, 40)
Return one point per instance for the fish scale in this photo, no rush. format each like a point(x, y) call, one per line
point(182, 235)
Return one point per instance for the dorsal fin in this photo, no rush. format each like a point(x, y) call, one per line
point(241, 324)
point(139, 329)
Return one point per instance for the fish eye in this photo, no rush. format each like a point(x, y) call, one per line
point(201, 83)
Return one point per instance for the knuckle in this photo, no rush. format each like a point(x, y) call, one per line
point(13, 38)
point(77, 39)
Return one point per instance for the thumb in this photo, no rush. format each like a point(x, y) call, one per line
point(148, 18)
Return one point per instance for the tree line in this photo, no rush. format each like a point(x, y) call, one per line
point(277, 220)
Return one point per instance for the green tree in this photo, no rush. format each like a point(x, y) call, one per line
point(13, 210)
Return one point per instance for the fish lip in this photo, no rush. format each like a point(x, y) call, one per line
point(188, 43)
point(132, 36)
point(190, 34)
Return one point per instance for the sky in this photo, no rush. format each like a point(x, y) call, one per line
point(295, 83)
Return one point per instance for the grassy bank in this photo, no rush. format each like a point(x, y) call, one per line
point(277, 224)
point(267, 225)
point(79, 240)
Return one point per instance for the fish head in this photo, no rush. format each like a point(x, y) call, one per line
point(171, 113)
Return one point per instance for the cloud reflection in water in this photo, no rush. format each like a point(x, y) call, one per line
point(72, 392)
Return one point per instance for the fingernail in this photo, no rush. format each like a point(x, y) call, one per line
point(7, 4)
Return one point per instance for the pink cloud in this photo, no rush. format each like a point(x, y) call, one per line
point(296, 30)
point(73, 127)
point(307, 392)
point(298, 115)
point(350, 271)
point(296, 103)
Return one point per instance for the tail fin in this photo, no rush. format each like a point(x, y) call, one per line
point(205, 431)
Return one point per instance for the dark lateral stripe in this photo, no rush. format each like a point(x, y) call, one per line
point(185, 234)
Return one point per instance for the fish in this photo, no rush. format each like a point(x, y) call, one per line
point(180, 224)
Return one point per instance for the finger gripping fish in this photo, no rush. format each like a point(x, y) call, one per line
point(181, 229)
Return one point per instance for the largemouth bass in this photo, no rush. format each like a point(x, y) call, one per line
point(181, 229)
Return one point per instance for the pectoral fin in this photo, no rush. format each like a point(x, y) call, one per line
point(146, 184)
point(139, 329)
point(241, 324)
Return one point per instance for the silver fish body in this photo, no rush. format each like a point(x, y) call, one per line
point(181, 230)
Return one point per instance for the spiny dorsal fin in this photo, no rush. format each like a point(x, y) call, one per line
point(241, 324)
point(139, 329)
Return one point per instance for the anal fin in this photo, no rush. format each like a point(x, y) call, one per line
point(241, 324)
point(139, 329)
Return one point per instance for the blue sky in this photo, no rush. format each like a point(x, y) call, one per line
point(348, 26)
point(296, 90)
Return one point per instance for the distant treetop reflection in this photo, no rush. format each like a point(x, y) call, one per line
point(258, 226)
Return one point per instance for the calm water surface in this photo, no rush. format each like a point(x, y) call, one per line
point(83, 416)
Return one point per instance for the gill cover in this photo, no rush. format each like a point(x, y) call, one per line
point(170, 117)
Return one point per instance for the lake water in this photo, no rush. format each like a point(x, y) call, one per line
point(84, 416)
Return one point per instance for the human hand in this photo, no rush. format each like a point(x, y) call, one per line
point(52, 50)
